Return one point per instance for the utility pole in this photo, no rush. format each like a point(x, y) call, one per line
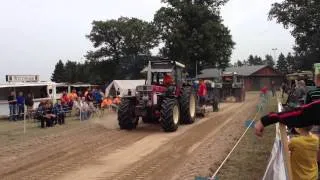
point(274, 53)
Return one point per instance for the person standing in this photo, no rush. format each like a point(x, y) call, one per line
point(314, 95)
point(284, 88)
point(273, 88)
point(303, 157)
point(12, 106)
point(202, 92)
point(20, 104)
point(29, 103)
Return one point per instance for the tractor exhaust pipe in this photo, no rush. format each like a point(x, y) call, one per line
point(149, 74)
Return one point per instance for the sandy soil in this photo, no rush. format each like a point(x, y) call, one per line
point(97, 149)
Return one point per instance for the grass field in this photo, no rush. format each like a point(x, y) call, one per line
point(250, 158)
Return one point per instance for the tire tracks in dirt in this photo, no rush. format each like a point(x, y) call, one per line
point(68, 154)
point(144, 160)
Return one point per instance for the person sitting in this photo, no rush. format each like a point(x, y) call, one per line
point(59, 112)
point(65, 101)
point(73, 95)
point(50, 117)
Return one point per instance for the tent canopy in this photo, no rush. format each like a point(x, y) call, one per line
point(123, 86)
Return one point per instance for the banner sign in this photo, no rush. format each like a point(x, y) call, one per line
point(22, 78)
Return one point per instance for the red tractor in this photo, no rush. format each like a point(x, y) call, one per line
point(156, 101)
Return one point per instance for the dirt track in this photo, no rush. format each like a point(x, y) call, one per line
point(98, 150)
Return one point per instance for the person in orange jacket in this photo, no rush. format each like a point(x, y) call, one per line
point(117, 100)
point(106, 102)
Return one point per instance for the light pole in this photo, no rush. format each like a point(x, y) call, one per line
point(274, 53)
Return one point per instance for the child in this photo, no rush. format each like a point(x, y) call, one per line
point(304, 149)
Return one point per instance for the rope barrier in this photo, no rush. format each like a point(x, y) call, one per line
point(234, 147)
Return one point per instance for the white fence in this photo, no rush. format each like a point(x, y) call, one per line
point(279, 163)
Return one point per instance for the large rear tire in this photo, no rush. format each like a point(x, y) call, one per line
point(170, 115)
point(126, 116)
point(188, 103)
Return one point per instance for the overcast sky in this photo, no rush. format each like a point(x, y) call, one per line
point(35, 34)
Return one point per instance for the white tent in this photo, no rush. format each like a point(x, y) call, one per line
point(123, 86)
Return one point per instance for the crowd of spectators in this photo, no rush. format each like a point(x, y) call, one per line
point(48, 113)
point(17, 104)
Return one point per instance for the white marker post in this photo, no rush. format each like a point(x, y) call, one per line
point(24, 119)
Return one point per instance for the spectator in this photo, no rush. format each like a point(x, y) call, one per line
point(264, 91)
point(273, 88)
point(84, 109)
point(12, 106)
point(73, 95)
point(106, 103)
point(97, 97)
point(300, 92)
point(202, 92)
point(89, 96)
point(59, 112)
point(49, 115)
point(118, 92)
point(40, 113)
point(29, 103)
point(117, 100)
point(85, 92)
point(304, 149)
point(314, 95)
point(64, 99)
point(284, 88)
point(20, 103)
point(45, 114)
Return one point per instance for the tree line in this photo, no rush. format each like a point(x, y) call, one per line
point(285, 64)
point(192, 32)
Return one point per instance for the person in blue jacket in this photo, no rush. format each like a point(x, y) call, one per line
point(20, 104)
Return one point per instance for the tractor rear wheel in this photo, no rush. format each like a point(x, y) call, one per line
point(126, 116)
point(238, 94)
point(188, 103)
point(170, 115)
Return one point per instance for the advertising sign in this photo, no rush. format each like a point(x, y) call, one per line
point(22, 78)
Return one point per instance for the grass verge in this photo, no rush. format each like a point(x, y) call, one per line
point(250, 158)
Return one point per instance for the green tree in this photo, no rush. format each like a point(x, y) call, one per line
point(70, 69)
point(58, 74)
point(282, 64)
point(239, 63)
point(192, 32)
point(119, 38)
point(268, 60)
point(303, 18)
point(254, 60)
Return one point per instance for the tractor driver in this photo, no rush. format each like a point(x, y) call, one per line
point(167, 79)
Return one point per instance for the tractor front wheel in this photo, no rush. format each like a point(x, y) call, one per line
point(126, 116)
point(170, 115)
